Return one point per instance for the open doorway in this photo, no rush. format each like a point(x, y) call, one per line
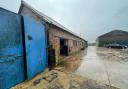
point(63, 47)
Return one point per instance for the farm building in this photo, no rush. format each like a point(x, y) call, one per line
point(114, 38)
point(28, 40)
point(60, 39)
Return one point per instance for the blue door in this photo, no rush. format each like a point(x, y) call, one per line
point(35, 43)
point(11, 50)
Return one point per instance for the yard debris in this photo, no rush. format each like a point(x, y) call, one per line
point(62, 77)
point(60, 80)
point(120, 55)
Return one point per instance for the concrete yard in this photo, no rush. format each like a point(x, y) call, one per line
point(64, 77)
point(108, 66)
point(60, 80)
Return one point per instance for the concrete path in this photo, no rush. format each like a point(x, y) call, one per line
point(108, 72)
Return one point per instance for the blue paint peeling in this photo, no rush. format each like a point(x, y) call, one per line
point(12, 59)
point(11, 50)
point(35, 46)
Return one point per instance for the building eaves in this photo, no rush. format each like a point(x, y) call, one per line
point(48, 19)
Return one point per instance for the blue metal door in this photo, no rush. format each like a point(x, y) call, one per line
point(35, 42)
point(11, 50)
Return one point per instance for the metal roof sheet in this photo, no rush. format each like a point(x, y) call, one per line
point(49, 20)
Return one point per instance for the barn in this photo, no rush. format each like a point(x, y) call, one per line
point(113, 38)
point(61, 41)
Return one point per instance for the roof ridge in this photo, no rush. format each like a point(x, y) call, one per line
point(49, 19)
point(111, 32)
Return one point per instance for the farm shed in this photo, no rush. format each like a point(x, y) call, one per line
point(27, 40)
point(115, 37)
point(60, 39)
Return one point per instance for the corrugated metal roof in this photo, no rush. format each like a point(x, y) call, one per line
point(49, 20)
point(114, 33)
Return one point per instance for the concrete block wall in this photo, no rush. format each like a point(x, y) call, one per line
point(56, 33)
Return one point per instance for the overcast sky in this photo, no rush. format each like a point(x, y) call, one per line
point(90, 18)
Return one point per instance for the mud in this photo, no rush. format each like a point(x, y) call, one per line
point(72, 62)
point(60, 80)
point(63, 77)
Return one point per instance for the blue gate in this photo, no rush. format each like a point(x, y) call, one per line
point(35, 41)
point(11, 50)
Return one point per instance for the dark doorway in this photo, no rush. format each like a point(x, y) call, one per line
point(63, 47)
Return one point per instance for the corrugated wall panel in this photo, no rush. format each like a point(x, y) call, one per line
point(11, 50)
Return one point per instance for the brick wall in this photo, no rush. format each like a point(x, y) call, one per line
point(55, 33)
point(54, 39)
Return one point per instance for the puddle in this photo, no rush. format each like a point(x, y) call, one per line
point(108, 72)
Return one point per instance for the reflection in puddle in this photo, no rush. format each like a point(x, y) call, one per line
point(72, 63)
point(108, 72)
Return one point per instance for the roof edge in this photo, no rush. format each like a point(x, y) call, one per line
point(42, 16)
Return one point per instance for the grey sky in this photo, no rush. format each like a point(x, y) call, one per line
point(91, 18)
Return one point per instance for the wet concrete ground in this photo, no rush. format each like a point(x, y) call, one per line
point(63, 77)
point(107, 66)
point(60, 80)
